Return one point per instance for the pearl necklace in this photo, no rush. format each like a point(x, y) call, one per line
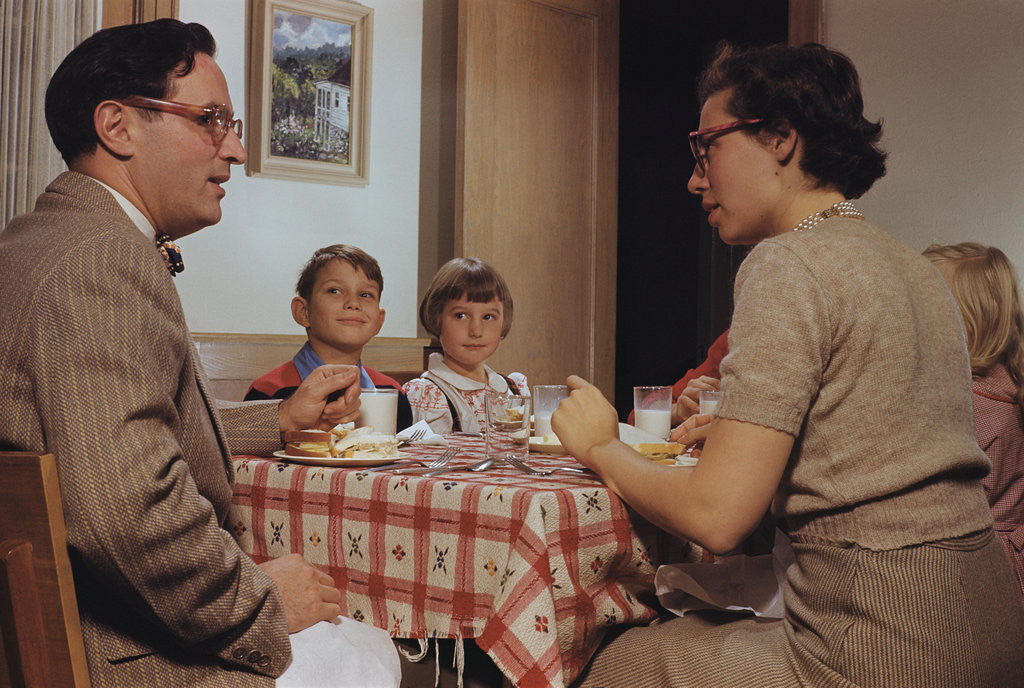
point(841, 209)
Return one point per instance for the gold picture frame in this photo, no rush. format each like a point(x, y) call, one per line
point(304, 121)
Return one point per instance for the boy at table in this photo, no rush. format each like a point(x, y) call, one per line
point(338, 302)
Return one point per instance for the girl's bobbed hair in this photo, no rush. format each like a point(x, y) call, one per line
point(470, 278)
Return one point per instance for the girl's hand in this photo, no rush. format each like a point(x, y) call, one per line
point(585, 420)
point(688, 402)
point(694, 430)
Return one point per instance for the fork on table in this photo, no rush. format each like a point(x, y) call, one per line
point(519, 463)
point(414, 464)
point(415, 436)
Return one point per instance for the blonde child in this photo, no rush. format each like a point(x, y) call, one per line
point(987, 290)
point(468, 307)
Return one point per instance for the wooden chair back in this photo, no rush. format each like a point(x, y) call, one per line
point(41, 631)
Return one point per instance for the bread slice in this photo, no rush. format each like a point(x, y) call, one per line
point(662, 452)
point(318, 443)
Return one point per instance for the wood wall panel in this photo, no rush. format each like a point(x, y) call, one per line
point(536, 155)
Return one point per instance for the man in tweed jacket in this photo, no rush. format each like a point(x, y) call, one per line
point(97, 366)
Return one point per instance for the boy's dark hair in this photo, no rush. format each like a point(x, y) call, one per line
point(814, 90)
point(356, 257)
point(112, 64)
point(469, 278)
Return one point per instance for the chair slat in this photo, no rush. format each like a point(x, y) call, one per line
point(32, 511)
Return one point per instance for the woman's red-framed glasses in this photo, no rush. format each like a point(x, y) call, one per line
point(218, 119)
point(700, 149)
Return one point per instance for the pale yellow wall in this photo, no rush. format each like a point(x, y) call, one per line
point(947, 77)
point(240, 274)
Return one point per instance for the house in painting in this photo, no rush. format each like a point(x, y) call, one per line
point(333, 107)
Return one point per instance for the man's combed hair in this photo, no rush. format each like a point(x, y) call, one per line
point(469, 278)
point(356, 257)
point(814, 90)
point(987, 291)
point(122, 61)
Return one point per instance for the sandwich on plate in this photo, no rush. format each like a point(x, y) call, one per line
point(341, 442)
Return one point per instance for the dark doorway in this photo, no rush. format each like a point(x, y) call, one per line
point(674, 274)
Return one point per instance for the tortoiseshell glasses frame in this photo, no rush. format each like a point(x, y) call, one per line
point(700, 149)
point(218, 119)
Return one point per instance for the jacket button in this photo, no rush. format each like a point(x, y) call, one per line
point(254, 657)
point(264, 662)
point(240, 653)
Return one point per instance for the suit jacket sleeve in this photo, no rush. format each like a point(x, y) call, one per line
point(144, 470)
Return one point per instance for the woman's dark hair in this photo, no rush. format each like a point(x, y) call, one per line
point(122, 61)
point(814, 90)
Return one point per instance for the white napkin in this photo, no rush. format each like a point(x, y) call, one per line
point(630, 434)
point(736, 583)
point(342, 654)
point(431, 439)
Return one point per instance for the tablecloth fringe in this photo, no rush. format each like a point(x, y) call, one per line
point(416, 657)
point(458, 657)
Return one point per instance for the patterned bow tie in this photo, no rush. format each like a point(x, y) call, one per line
point(171, 253)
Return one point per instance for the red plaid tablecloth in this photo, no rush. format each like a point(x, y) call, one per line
point(535, 569)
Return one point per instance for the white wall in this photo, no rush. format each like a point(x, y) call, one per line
point(947, 78)
point(271, 227)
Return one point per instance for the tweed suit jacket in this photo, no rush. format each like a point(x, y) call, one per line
point(97, 366)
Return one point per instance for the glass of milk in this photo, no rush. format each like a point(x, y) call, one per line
point(378, 408)
point(546, 399)
point(708, 401)
point(652, 410)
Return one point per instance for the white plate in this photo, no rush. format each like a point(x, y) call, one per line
point(339, 462)
point(538, 444)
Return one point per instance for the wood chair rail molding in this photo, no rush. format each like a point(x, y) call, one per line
point(233, 361)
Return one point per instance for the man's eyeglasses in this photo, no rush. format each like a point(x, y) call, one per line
point(700, 149)
point(218, 119)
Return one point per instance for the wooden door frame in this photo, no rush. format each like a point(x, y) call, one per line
point(118, 12)
point(806, 21)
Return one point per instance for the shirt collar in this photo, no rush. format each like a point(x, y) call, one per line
point(136, 216)
point(307, 360)
point(437, 366)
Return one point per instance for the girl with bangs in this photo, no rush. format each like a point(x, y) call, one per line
point(468, 307)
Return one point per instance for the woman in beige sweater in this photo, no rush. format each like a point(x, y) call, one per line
point(845, 409)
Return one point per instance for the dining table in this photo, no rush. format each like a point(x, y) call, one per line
point(534, 569)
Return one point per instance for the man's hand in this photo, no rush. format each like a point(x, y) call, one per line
point(585, 420)
point(308, 408)
point(688, 402)
point(308, 593)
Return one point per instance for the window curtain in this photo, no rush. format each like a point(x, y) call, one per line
point(36, 36)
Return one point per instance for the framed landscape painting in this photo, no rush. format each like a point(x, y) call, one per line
point(308, 101)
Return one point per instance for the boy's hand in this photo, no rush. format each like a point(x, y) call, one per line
point(585, 420)
point(308, 408)
point(688, 402)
